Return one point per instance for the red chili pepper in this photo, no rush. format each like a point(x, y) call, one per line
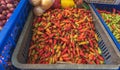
point(100, 11)
point(59, 16)
point(79, 61)
point(64, 55)
point(91, 49)
point(38, 50)
point(91, 62)
point(91, 43)
point(67, 21)
point(73, 26)
point(45, 47)
point(100, 57)
point(114, 10)
point(57, 24)
point(40, 29)
point(68, 51)
point(32, 47)
point(51, 35)
point(63, 39)
point(33, 62)
point(51, 46)
point(35, 56)
point(80, 27)
point(42, 61)
point(73, 51)
point(92, 33)
point(41, 53)
point(66, 59)
point(82, 36)
point(95, 42)
point(85, 46)
point(46, 41)
point(103, 11)
point(72, 20)
point(83, 30)
point(73, 44)
point(113, 27)
point(54, 42)
point(48, 54)
point(67, 28)
point(50, 41)
point(53, 51)
point(45, 36)
point(64, 51)
point(97, 61)
point(81, 53)
point(77, 51)
point(83, 61)
point(46, 62)
point(108, 12)
point(71, 54)
point(118, 12)
point(39, 19)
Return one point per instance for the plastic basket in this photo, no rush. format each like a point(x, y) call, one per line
point(109, 51)
point(11, 31)
point(104, 1)
point(108, 8)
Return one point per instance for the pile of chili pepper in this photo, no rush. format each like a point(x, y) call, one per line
point(64, 35)
point(112, 20)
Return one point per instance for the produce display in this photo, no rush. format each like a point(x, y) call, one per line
point(66, 3)
point(64, 36)
point(40, 6)
point(112, 20)
point(6, 9)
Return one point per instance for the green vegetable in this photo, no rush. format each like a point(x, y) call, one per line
point(113, 22)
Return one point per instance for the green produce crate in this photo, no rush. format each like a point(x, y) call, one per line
point(109, 51)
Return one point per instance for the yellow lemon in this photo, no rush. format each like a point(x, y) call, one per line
point(67, 3)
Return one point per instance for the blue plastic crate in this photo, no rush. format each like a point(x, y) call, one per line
point(11, 31)
point(1, 67)
point(108, 8)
